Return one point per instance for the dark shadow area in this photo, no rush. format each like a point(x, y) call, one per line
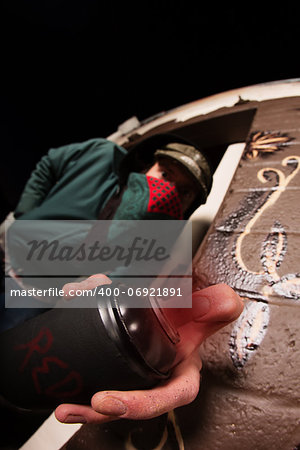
point(17, 427)
point(76, 70)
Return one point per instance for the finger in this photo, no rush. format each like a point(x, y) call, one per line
point(218, 303)
point(69, 413)
point(213, 308)
point(179, 390)
point(90, 283)
point(212, 304)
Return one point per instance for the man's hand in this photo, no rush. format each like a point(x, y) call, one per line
point(213, 308)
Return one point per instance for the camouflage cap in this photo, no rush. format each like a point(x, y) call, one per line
point(193, 160)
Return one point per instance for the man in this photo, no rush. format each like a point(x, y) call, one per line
point(88, 180)
point(98, 179)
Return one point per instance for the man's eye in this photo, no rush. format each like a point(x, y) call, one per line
point(164, 174)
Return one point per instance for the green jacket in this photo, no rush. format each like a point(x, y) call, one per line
point(72, 182)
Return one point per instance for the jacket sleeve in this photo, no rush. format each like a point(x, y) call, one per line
point(47, 172)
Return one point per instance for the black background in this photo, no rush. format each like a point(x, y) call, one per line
point(72, 70)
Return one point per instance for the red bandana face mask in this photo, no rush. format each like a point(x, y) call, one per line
point(164, 198)
point(149, 198)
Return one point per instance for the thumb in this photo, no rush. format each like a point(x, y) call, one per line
point(213, 308)
point(217, 303)
point(85, 285)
